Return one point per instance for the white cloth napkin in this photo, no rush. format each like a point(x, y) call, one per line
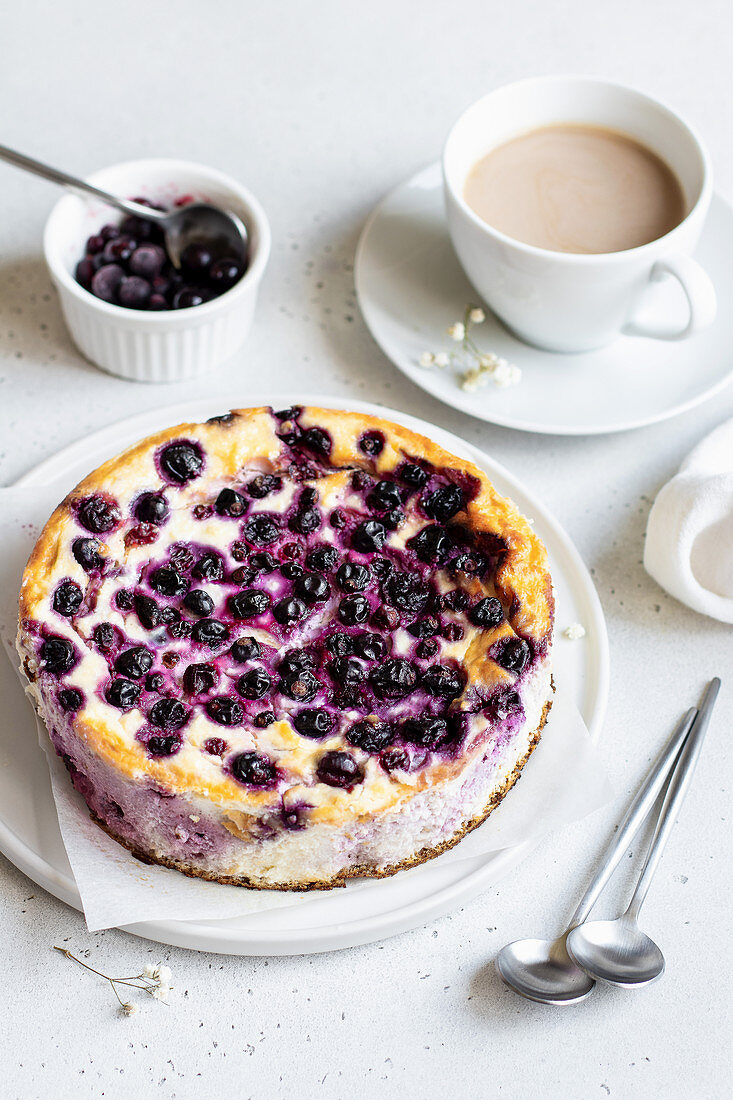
point(689, 536)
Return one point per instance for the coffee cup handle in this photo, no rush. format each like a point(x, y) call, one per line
point(697, 287)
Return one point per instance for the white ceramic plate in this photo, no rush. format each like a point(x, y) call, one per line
point(29, 833)
point(410, 287)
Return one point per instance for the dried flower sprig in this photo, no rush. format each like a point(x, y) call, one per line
point(155, 980)
point(478, 367)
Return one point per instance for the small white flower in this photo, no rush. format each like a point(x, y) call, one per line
point(128, 1008)
point(160, 992)
point(574, 631)
point(477, 316)
point(164, 975)
point(506, 374)
point(442, 359)
point(426, 359)
point(473, 380)
point(150, 971)
point(457, 331)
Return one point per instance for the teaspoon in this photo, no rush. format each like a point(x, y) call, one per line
point(617, 951)
point(542, 970)
point(195, 223)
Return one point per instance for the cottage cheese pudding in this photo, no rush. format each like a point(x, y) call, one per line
point(279, 649)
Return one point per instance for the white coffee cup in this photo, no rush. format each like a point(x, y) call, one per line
point(565, 301)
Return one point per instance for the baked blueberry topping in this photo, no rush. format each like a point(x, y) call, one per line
point(264, 719)
point(58, 655)
point(301, 685)
point(254, 684)
point(371, 647)
point(167, 581)
point(313, 588)
point(249, 604)
point(154, 681)
point(443, 681)
point(124, 600)
point(70, 699)
point(199, 602)
point(261, 529)
point(393, 760)
point(122, 694)
point(354, 610)
point(181, 462)
point(199, 679)
point(393, 519)
point(394, 679)
point(323, 559)
point(456, 600)
point(427, 649)
point(431, 544)
point(353, 577)
point(152, 508)
point(386, 617)
point(424, 628)
point(504, 704)
point(163, 745)
point(224, 710)
point(487, 613)
point(295, 661)
point(305, 520)
point(371, 443)
point(346, 670)
point(230, 503)
point(316, 440)
point(313, 722)
point(254, 769)
point(290, 610)
point(264, 484)
point(134, 662)
point(512, 655)
point(104, 635)
point(337, 519)
point(86, 553)
point(147, 611)
point(98, 514)
point(339, 769)
point(291, 413)
point(473, 563)
point(215, 746)
point(384, 495)
point(370, 734)
point(339, 645)
point(209, 567)
point(413, 475)
point(369, 536)
point(407, 592)
point(263, 562)
point(168, 714)
point(428, 731)
point(210, 632)
point(360, 480)
point(245, 649)
point(381, 567)
point(67, 598)
point(291, 570)
point(181, 556)
point(444, 503)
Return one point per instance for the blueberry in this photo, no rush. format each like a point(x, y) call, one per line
point(223, 274)
point(456, 599)
point(264, 719)
point(119, 249)
point(134, 662)
point(291, 570)
point(413, 475)
point(323, 559)
point(369, 536)
point(86, 553)
point(245, 649)
point(215, 746)
point(106, 281)
point(290, 610)
point(291, 413)
point(339, 645)
point(159, 745)
point(168, 714)
point(513, 655)
point(339, 769)
point(444, 503)
point(314, 722)
point(394, 679)
point(254, 684)
point(305, 521)
point(181, 462)
point(301, 685)
point(337, 519)
point(261, 529)
point(230, 503)
point(154, 681)
point(134, 292)
point(199, 603)
point(254, 769)
point(354, 610)
point(196, 259)
point(124, 599)
point(407, 592)
point(487, 613)
point(394, 760)
point(168, 581)
point(109, 232)
point(122, 694)
point(181, 629)
point(316, 440)
point(209, 567)
point(353, 577)
point(58, 655)
point(67, 598)
point(210, 632)
point(104, 635)
point(424, 628)
point(70, 699)
point(381, 567)
point(393, 519)
point(371, 647)
point(346, 670)
point(443, 681)
point(157, 302)
point(452, 632)
point(187, 297)
point(84, 272)
point(370, 734)
point(427, 731)
point(264, 484)
point(431, 544)
point(94, 244)
point(249, 603)
point(263, 562)
point(384, 495)
point(199, 679)
point(472, 563)
point(295, 661)
point(386, 617)
point(371, 443)
point(239, 550)
point(313, 588)
point(98, 514)
point(147, 261)
point(427, 648)
point(361, 480)
point(152, 508)
point(224, 710)
point(504, 704)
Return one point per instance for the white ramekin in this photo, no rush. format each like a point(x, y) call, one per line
point(170, 345)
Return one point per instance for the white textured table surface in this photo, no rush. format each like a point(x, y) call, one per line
point(320, 109)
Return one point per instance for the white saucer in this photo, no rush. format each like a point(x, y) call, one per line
point(29, 832)
point(410, 287)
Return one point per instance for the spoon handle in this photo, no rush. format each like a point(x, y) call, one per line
point(674, 796)
point(28, 164)
point(635, 817)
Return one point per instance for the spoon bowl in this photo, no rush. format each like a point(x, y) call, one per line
point(223, 233)
point(616, 951)
point(543, 971)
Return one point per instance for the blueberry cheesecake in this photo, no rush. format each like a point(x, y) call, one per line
point(283, 648)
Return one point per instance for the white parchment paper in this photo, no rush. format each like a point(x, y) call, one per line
point(563, 781)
